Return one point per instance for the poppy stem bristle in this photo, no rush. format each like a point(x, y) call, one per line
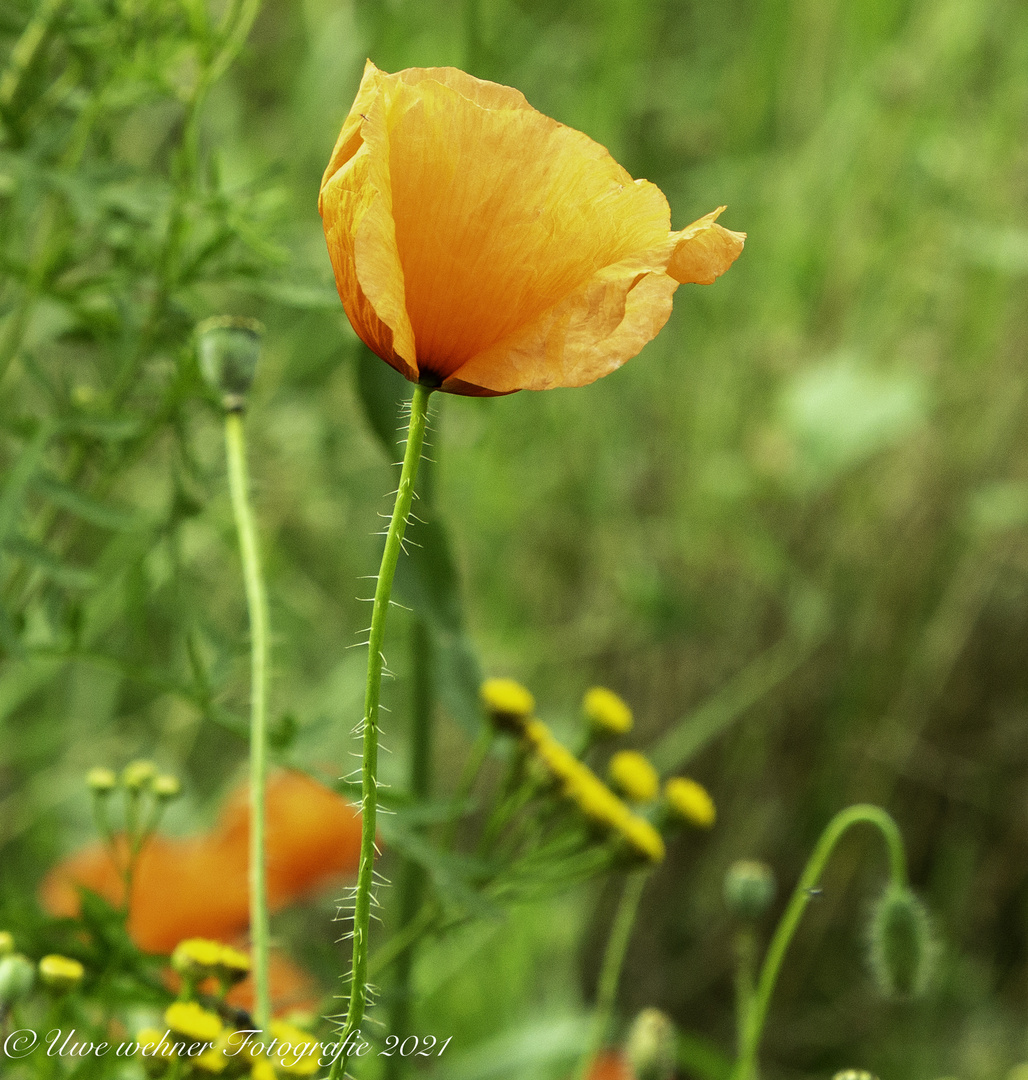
point(257, 610)
point(369, 766)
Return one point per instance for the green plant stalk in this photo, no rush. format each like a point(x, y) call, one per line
point(257, 609)
point(369, 763)
point(745, 979)
point(610, 972)
point(745, 1066)
point(411, 886)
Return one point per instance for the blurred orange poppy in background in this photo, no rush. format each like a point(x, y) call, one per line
point(198, 886)
point(481, 246)
point(611, 1066)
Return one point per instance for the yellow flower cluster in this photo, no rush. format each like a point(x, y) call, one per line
point(200, 958)
point(592, 796)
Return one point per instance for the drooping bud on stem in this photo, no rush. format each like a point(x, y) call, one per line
point(901, 943)
point(229, 348)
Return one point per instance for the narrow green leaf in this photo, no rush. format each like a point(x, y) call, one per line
point(71, 577)
point(85, 506)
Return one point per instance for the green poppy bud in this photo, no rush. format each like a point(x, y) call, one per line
point(229, 349)
point(749, 889)
point(6, 943)
point(16, 978)
point(651, 1046)
point(901, 943)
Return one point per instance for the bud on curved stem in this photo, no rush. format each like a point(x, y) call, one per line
point(753, 1027)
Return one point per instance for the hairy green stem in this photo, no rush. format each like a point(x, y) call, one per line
point(610, 972)
point(369, 763)
point(745, 1066)
point(411, 886)
point(257, 608)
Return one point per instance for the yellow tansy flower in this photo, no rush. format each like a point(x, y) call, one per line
point(690, 801)
point(606, 713)
point(188, 1019)
point(633, 775)
point(296, 1052)
point(196, 956)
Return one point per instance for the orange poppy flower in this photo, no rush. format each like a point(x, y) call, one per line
point(611, 1066)
point(480, 246)
point(311, 836)
point(198, 886)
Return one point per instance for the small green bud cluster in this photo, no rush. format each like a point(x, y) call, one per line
point(18, 974)
point(902, 946)
point(146, 793)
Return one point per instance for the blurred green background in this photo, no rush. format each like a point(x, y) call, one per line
point(791, 533)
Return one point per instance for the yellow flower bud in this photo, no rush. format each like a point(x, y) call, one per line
point(690, 802)
point(60, 973)
point(632, 774)
point(606, 713)
point(507, 702)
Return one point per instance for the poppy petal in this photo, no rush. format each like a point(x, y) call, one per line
point(704, 250)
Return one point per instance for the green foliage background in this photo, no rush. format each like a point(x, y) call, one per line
point(791, 532)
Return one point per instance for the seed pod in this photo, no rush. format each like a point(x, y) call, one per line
point(229, 349)
point(901, 943)
point(16, 978)
point(650, 1047)
point(749, 889)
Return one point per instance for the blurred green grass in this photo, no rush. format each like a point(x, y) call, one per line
point(803, 506)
